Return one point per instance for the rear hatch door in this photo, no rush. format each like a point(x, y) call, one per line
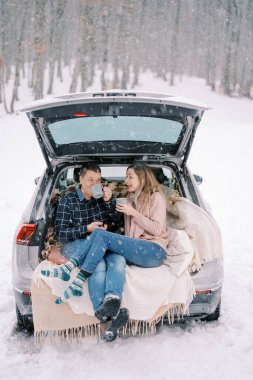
point(73, 126)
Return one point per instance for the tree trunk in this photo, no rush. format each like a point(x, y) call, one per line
point(84, 38)
point(245, 63)
point(126, 42)
point(1, 50)
point(227, 75)
point(51, 48)
point(18, 60)
point(105, 47)
point(138, 41)
point(40, 48)
point(73, 86)
point(175, 37)
point(116, 51)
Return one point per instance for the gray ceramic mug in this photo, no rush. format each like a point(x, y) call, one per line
point(121, 201)
point(97, 191)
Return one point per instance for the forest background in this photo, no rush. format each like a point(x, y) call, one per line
point(211, 39)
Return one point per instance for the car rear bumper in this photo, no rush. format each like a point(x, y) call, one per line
point(204, 304)
point(201, 306)
point(23, 301)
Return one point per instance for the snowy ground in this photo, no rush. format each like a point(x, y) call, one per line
point(222, 154)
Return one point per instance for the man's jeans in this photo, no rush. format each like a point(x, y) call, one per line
point(108, 276)
point(138, 252)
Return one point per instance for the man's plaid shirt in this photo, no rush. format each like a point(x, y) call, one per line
point(74, 213)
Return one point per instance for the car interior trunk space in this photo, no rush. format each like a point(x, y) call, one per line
point(67, 181)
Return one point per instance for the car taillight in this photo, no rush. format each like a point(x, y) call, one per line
point(26, 293)
point(25, 233)
point(206, 291)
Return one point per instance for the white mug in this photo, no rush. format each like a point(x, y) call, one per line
point(97, 191)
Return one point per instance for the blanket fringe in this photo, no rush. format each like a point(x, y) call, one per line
point(70, 335)
point(148, 328)
point(133, 327)
point(140, 328)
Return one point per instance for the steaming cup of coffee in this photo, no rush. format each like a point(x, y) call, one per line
point(121, 201)
point(97, 191)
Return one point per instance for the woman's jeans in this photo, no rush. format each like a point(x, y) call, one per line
point(138, 252)
point(108, 277)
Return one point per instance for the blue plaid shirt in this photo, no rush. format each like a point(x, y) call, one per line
point(74, 213)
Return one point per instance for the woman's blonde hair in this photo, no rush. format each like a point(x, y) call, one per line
point(148, 181)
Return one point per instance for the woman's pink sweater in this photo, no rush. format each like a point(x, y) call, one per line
point(151, 223)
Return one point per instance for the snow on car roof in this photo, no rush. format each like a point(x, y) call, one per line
point(114, 96)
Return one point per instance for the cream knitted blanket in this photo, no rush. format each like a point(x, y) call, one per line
point(148, 293)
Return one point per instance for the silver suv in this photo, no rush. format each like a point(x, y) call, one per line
point(114, 129)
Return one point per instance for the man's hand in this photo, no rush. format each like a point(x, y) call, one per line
point(91, 227)
point(107, 193)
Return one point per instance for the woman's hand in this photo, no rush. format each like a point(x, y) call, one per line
point(126, 209)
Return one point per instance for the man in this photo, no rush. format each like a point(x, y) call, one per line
point(78, 214)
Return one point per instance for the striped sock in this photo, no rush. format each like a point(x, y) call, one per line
point(63, 271)
point(74, 290)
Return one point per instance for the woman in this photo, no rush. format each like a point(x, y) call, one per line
point(144, 243)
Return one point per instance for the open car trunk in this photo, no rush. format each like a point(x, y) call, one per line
point(115, 124)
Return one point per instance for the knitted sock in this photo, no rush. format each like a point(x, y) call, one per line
point(75, 289)
point(63, 271)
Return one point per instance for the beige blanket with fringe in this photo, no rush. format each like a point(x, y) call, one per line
point(149, 293)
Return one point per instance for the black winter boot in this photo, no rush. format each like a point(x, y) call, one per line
point(108, 310)
point(116, 323)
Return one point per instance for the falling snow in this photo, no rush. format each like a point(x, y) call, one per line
point(222, 154)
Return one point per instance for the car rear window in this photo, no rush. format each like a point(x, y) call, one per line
point(109, 128)
point(119, 128)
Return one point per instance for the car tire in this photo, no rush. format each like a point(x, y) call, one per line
point(24, 322)
point(214, 316)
